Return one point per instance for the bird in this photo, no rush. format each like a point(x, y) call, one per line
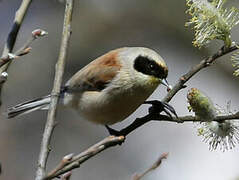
point(108, 89)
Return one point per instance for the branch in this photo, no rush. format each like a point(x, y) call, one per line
point(220, 118)
point(153, 167)
point(12, 36)
point(183, 119)
point(50, 124)
point(203, 64)
point(25, 49)
point(158, 117)
point(70, 162)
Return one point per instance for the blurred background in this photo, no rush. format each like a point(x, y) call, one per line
point(99, 26)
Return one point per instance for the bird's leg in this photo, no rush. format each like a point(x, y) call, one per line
point(134, 125)
point(112, 131)
point(154, 113)
point(125, 131)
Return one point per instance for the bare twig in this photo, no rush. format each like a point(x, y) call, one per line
point(10, 42)
point(219, 118)
point(25, 49)
point(50, 124)
point(203, 64)
point(183, 119)
point(153, 167)
point(65, 161)
point(12, 36)
point(77, 160)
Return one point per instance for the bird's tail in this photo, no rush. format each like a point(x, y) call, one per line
point(29, 106)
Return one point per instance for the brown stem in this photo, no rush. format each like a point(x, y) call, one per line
point(12, 36)
point(77, 160)
point(60, 65)
point(203, 64)
point(25, 49)
point(153, 167)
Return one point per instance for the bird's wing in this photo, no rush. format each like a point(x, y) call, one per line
point(96, 75)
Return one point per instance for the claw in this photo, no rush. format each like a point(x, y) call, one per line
point(168, 113)
point(158, 107)
point(170, 109)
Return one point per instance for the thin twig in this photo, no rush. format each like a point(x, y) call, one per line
point(25, 49)
point(220, 118)
point(203, 64)
point(50, 124)
point(12, 36)
point(77, 160)
point(153, 167)
point(65, 161)
point(182, 119)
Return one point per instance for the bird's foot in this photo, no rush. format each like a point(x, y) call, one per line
point(158, 107)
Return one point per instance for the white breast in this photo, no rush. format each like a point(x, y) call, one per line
point(105, 108)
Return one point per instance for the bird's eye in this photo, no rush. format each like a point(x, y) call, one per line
point(152, 66)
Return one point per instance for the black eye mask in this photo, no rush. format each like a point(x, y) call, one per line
point(147, 66)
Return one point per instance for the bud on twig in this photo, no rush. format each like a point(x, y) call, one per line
point(39, 33)
point(25, 51)
point(66, 176)
point(217, 134)
point(66, 159)
point(201, 105)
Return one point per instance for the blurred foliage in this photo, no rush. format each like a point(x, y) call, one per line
point(211, 20)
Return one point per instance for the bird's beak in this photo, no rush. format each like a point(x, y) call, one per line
point(165, 83)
